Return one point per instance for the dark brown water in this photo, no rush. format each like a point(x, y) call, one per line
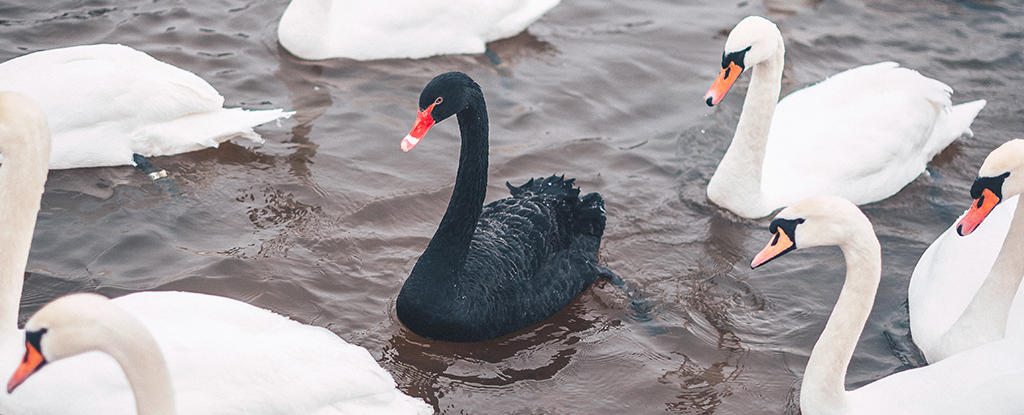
point(325, 221)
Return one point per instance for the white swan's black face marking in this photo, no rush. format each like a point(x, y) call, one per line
point(786, 225)
point(993, 184)
point(987, 193)
point(735, 57)
point(782, 242)
point(31, 362)
point(732, 67)
point(35, 338)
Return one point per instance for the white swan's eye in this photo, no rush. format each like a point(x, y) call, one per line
point(438, 100)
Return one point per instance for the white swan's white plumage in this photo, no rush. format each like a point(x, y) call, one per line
point(80, 323)
point(224, 356)
point(363, 30)
point(106, 102)
point(861, 134)
point(947, 283)
point(984, 380)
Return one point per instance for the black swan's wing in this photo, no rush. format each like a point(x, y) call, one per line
point(534, 252)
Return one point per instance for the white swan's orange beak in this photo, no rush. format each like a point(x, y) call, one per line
point(721, 86)
point(423, 123)
point(31, 363)
point(780, 244)
point(979, 210)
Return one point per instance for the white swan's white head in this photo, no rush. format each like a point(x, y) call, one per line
point(753, 40)
point(759, 36)
point(83, 322)
point(66, 327)
point(1000, 177)
point(1007, 158)
point(815, 221)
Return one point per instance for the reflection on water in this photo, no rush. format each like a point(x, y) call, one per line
point(310, 100)
point(698, 385)
point(536, 354)
point(325, 220)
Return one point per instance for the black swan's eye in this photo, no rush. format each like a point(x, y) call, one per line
point(438, 100)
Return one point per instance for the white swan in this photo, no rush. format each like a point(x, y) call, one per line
point(962, 293)
point(108, 102)
point(384, 29)
point(861, 134)
point(224, 356)
point(79, 323)
point(984, 380)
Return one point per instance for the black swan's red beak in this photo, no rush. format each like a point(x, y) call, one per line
point(423, 123)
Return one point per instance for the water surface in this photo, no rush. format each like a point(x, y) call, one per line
point(324, 221)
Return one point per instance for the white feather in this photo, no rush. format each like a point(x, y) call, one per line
point(224, 356)
point(861, 134)
point(363, 30)
point(107, 102)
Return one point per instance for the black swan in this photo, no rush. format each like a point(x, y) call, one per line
point(491, 270)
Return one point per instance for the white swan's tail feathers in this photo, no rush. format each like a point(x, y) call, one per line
point(962, 116)
point(954, 123)
point(208, 129)
point(244, 120)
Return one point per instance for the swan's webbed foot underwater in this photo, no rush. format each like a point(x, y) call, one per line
point(495, 59)
point(643, 309)
point(501, 67)
point(147, 167)
point(158, 176)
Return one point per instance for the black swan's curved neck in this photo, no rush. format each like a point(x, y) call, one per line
point(447, 250)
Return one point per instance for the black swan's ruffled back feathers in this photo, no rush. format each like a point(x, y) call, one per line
point(531, 255)
point(517, 235)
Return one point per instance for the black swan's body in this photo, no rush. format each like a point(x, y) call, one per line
point(491, 270)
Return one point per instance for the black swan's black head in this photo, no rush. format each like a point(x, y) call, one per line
point(444, 96)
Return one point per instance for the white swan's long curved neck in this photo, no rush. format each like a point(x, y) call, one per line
point(736, 184)
point(143, 364)
point(81, 323)
point(984, 319)
point(823, 389)
point(22, 175)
